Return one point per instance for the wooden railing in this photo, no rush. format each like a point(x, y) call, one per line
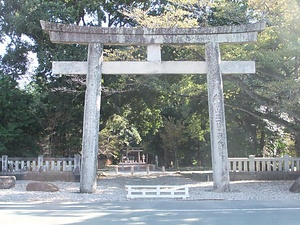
point(43, 164)
point(157, 191)
point(260, 164)
point(40, 164)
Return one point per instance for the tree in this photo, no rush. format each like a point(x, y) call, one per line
point(173, 137)
point(61, 113)
point(272, 94)
point(116, 134)
point(19, 129)
point(255, 104)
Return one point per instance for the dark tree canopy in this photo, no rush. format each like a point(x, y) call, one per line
point(262, 110)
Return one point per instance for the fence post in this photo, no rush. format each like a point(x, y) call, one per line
point(4, 163)
point(58, 165)
point(17, 165)
point(286, 159)
point(40, 163)
point(132, 169)
point(76, 164)
point(64, 169)
point(163, 169)
point(28, 165)
point(251, 163)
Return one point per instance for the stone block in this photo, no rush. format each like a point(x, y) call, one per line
point(7, 182)
point(296, 186)
point(41, 186)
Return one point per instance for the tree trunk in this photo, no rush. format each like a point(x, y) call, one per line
point(176, 161)
point(262, 141)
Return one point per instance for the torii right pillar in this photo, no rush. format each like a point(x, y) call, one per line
point(216, 108)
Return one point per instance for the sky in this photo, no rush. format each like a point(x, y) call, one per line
point(33, 64)
point(2, 48)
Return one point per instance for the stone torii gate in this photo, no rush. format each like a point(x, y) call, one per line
point(96, 37)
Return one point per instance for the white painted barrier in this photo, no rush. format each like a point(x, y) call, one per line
point(157, 191)
point(41, 164)
point(263, 164)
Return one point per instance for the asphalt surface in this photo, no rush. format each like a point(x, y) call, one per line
point(164, 212)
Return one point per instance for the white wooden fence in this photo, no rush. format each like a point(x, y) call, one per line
point(40, 164)
point(157, 191)
point(258, 164)
point(250, 164)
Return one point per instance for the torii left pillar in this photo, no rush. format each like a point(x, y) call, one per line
point(88, 182)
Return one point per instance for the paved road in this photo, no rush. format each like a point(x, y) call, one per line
point(138, 212)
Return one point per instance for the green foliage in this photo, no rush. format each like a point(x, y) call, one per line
point(61, 113)
point(173, 137)
point(116, 134)
point(226, 12)
point(273, 93)
point(134, 107)
point(19, 128)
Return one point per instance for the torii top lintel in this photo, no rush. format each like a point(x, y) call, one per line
point(71, 34)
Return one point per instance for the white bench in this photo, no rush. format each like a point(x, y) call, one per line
point(157, 191)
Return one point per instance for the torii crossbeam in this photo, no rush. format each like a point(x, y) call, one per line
point(96, 37)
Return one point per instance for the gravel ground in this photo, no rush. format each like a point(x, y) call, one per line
point(112, 188)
